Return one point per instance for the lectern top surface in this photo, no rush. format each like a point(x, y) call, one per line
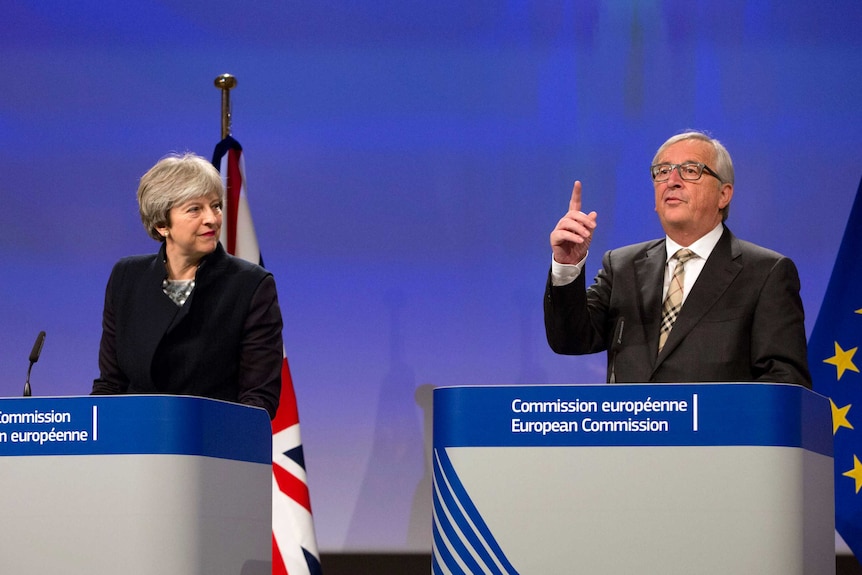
point(633, 415)
point(134, 424)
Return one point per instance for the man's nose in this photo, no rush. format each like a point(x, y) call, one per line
point(674, 179)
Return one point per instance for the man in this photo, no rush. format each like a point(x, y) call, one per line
point(741, 317)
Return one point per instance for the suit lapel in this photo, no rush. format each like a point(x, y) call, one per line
point(718, 273)
point(155, 314)
point(649, 275)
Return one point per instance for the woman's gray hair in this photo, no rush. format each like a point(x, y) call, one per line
point(175, 179)
point(723, 164)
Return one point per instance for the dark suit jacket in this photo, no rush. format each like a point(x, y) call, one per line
point(223, 343)
point(742, 321)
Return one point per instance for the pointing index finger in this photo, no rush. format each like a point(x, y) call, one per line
point(575, 202)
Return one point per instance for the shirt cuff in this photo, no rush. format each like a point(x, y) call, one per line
point(564, 274)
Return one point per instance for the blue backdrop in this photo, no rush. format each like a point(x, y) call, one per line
point(406, 163)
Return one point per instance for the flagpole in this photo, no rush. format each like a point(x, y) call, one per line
point(225, 83)
point(294, 543)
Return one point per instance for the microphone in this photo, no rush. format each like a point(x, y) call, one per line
point(616, 344)
point(34, 357)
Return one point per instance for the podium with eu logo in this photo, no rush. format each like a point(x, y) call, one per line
point(619, 479)
point(144, 484)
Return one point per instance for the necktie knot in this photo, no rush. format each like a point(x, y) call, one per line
point(683, 255)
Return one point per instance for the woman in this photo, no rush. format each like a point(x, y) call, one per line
point(191, 319)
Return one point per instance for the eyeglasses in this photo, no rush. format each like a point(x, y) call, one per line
point(689, 171)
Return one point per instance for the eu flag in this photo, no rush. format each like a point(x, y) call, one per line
point(835, 373)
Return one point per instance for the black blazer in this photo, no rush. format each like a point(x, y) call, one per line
point(742, 321)
point(223, 343)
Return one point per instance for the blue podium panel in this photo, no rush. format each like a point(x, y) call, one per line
point(650, 479)
point(135, 485)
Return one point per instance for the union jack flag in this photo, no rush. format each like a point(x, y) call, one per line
point(294, 545)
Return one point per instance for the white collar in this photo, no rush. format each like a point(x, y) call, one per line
point(703, 246)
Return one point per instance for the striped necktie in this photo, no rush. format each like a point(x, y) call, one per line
point(673, 300)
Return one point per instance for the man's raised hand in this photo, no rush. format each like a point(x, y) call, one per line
point(571, 238)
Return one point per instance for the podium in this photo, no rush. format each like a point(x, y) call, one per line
point(145, 484)
point(621, 479)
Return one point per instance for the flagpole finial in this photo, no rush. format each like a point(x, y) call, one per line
point(225, 83)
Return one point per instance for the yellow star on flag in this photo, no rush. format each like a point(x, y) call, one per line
point(839, 417)
point(843, 360)
point(855, 473)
